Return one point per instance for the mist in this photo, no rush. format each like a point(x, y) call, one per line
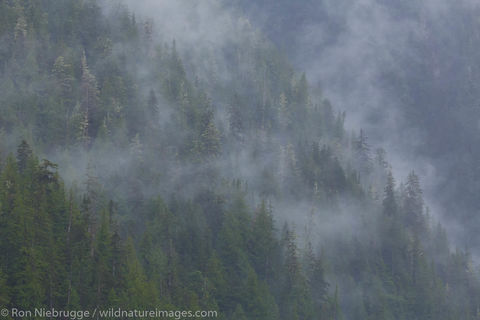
point(393, 67)
point(272, 160)
point(351, 66)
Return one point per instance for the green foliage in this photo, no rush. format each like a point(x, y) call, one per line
point(170, 132)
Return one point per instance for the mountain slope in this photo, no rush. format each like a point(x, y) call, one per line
point(199, 176)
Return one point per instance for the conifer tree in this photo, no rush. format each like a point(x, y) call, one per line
point(361, 150)
point(24, 153)
point(413, 205)
point(63, 76)
point(295, 302)
point(209, 144)
point(239, 314)
point(236, 121)
point(138, 293)
point(152, 104)
point(389, 201)
point(4, 290)
point(89, 103)
point(103, 259)
point(262, 242)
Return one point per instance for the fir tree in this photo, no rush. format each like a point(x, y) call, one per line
point(389, 201)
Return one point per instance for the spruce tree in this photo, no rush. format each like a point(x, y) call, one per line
point(389, 201)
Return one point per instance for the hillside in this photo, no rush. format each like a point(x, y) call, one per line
point(192, 168)
point(405, 71)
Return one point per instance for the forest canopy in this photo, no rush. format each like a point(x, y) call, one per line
point(143, 169)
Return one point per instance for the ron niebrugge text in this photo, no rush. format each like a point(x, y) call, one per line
point(107, 313)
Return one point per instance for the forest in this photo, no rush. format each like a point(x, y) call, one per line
point(174, 156)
